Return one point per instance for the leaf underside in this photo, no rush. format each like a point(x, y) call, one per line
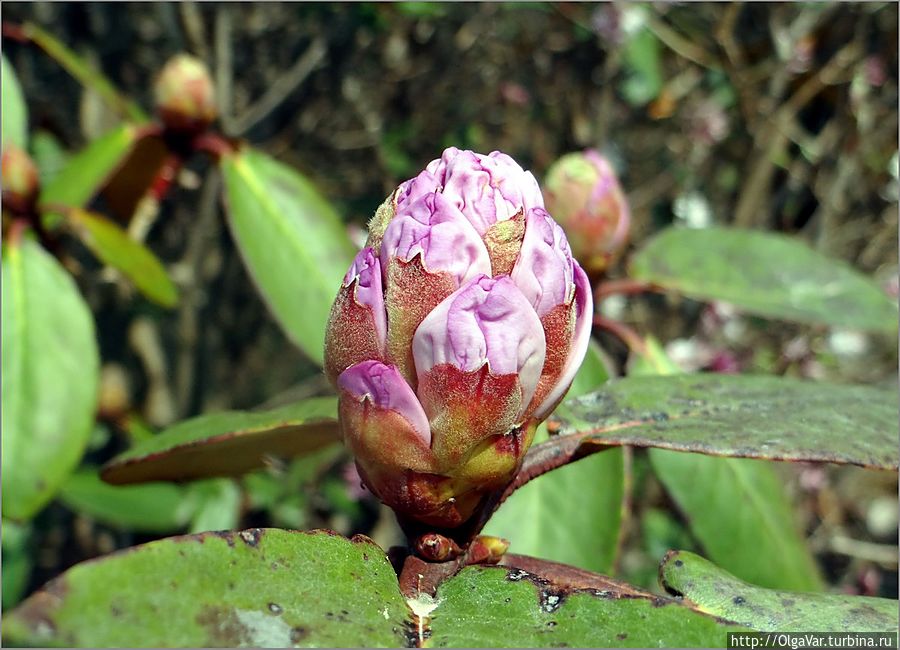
point(228, 444)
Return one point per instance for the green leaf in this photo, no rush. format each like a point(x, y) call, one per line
point(114, 247)
point(85, 173)
point(228, 443)
point(48, 154)
point(752, 416)
point(497, 607)
point(721, 594)
point(17, 562)
point(50, 376)
point(84, 73)
point(738, 510)
point(218, 505)
point(766, 274)
point(151, 508)
point(265, 588)
point(642, 59)
point(14, 113)
point(556, 516)
point(292, 241)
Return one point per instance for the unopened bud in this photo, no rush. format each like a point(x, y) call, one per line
point(20, 180)
point(185, 96)
point(583, 194)
point(456, 331)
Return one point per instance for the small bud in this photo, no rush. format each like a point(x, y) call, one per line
point(185, 97)
point(583, 194)
point(20, 180)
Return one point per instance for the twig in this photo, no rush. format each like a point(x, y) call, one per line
point(283, 86)
point(224, 71)
point(681, 45)
point(884, 554)
point(192, 23)
point(624, 332)
point(623, 286)
point(201, 235)
point(772, 141)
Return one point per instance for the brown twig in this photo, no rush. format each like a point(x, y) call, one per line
point(624, 332)
point(623, 286)
point(283, 86)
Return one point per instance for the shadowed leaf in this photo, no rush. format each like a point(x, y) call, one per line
point(715, 591)
point(555, 516)
point(264, 588)
point(14, 113)
point(154, 507)
point(50, 375)
point(764, 273)
point(738, 415)
point(113, 246)
point(292, 241)
point(228, 443)
point(736, 508)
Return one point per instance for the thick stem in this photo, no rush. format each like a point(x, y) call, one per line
point(623, 286)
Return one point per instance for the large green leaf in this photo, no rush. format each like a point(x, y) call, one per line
point(86, 74)
point(715, 591)
point(498, 607)
point(228, 443)
point(152, 508)
point(292, 241)
point(85, 173)
point(738, 510)
point(764, 273)
point(114, 247)
point(265, 588)
point(14, 113)
point(572, 514)
point(50, 374)
point(739, 415)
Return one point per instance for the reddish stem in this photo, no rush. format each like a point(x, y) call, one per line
point(214, 144)
point(624, 332)
point(623, 286)
point(15, 32)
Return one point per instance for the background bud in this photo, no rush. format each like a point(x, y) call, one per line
point(583, 193)
point(20, 180)
point(185, 96)
point(487, 317)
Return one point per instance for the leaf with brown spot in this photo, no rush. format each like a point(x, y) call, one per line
point(259, 588)
point(719, 593)
point(228, 443)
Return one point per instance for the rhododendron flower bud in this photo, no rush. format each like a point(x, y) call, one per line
point(584, 195)
point(185, 95)
point(20, 180)
point(456, 331)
